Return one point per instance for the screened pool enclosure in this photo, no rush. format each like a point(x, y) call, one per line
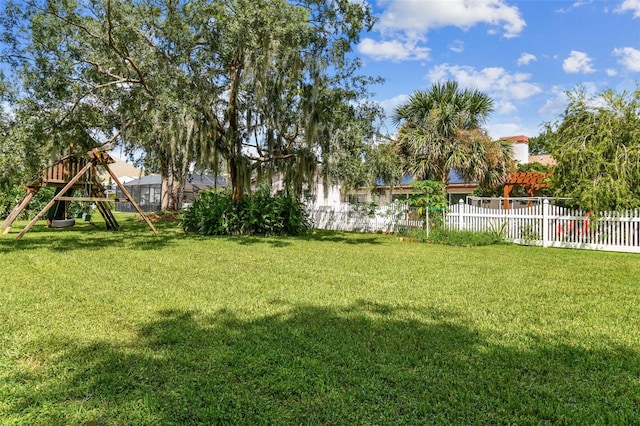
point(147, 191)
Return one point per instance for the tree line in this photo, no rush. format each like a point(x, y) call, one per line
point(251, 86)
point(256, 88)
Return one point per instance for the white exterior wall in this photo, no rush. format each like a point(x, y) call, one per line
point(331, 198)
point(521, 152)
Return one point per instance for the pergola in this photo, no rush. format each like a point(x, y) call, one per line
point(529, 181)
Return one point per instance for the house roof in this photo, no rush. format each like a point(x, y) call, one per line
point(206, 181)
point(153, 179)
point(121, 169)
point(197, 181)
point(516, 139)
point(406, 180)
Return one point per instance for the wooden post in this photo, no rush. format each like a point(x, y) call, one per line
point(52, 202)
point(127, 194)
point(6, 226)
point(507, 191)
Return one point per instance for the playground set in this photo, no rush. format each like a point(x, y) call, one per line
point(69, 174)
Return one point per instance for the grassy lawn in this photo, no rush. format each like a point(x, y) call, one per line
point(101, 327)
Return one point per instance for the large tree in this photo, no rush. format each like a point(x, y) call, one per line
point(86, 72)
point(441, 130)
point(261, 84)
point(596, 143)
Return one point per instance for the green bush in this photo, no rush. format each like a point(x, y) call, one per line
point(456, 238)
point(9, 199)
point(215, 213)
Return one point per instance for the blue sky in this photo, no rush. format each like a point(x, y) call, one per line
point(524, 54)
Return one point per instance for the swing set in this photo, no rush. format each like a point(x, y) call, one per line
point(70, 173)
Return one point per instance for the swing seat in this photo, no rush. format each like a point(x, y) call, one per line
point(63, 223)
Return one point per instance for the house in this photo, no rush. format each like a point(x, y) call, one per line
point(457, 188)
point(520, 144)
point(123, 170)
point(147, 190)
point(544, 159)
point(385, 194)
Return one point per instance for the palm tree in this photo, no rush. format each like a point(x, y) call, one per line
point(441, 130)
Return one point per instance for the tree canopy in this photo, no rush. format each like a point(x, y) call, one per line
point(441, 130)
point(596, 143)
point(260, 86)
point(539, 144)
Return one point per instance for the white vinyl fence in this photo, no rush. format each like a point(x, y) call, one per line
point(541, 224)
point(552, 226)
point(362, 218)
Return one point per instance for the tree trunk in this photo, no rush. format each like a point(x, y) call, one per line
point(170, 194)
point(171, 190)
point(444, 176)
point(237, 191)
point(236, 149)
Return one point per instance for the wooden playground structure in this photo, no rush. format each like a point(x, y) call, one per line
point(72, 172)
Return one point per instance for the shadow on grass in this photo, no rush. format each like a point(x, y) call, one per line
point(243, 240)
point(86, 236)
point(316, 365)
point(342, 237)
point(319, 235)
point(137, 235)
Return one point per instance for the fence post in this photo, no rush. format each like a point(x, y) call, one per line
point(545, 223)
point(428, 222)
point(460, 215)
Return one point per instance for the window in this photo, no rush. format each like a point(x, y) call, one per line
point(401, 197)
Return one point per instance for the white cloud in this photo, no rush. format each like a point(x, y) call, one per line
point(630, 6)
point(575, 5)
point(393, 50)
point(389, 105)
point(577, 62)
point(629, 57)
point(526, 59)
point(556, 104)
point(504, 107)
point(559, 100)
point(611, 72)
point(418, 16)
point(494, 81)
point(457, 46)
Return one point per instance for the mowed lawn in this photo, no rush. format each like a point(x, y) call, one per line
point(116, 328)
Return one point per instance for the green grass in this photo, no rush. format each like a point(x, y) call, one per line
point(119, 328)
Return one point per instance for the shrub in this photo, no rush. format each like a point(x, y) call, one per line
point(9, 199)
point(456, 238)
point(215, 213)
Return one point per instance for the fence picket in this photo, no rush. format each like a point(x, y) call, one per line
point(541, 224)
